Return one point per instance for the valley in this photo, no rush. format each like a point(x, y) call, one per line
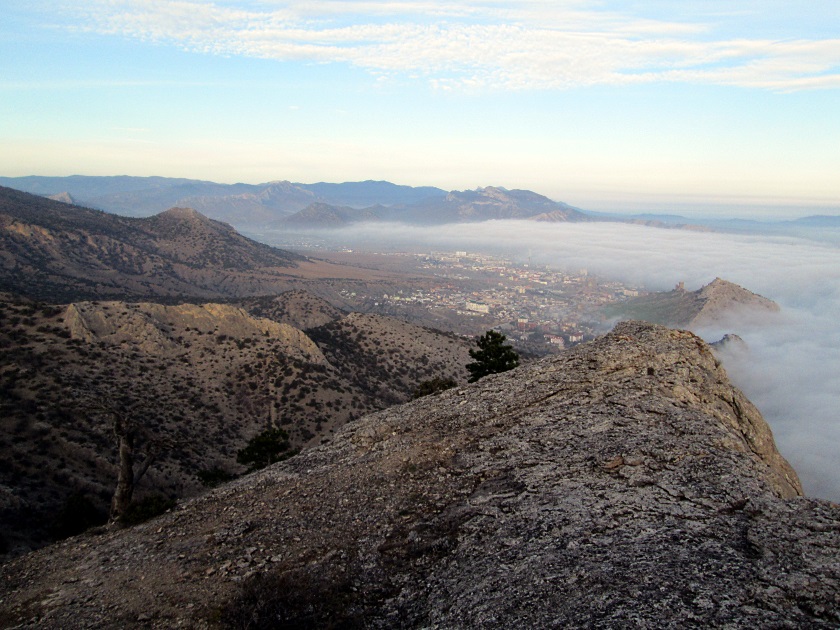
point(203, 338)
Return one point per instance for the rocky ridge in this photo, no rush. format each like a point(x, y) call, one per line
point(622, 483)
point(716, 303)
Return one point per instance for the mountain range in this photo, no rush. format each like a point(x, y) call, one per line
point(276, 204)
point(285, 204)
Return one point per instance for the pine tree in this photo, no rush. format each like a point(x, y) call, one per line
point(493, 356)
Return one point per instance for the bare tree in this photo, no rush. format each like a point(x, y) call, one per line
point(133, 459)
point(137, 448)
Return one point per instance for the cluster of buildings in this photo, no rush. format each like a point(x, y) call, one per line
point(537, 307)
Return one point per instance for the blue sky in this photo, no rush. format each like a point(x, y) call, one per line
point(725, 107)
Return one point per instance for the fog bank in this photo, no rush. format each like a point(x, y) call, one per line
point(791, 371)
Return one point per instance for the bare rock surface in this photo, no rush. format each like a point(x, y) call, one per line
point(624, 483)
point(719, 302)
point(149, 325)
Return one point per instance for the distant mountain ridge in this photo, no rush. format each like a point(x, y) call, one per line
point(483, 204)
point(268, 205)
point(295, 205)
point(239, 204)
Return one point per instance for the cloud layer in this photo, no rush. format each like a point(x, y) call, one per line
point(791, 370)
point(477, 44)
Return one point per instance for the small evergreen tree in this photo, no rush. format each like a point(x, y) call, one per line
point(493, 356)
point(268, 447)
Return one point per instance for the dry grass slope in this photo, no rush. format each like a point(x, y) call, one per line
point(202, 379)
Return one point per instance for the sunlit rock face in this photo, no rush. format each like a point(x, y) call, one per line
point(624, 483)
point(718, 303)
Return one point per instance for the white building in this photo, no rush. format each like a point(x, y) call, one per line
point(477, 307)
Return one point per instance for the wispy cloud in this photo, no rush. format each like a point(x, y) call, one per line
point(477, 44)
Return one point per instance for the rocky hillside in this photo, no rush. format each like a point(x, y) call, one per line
point(298, 308)
point(713, 304)
point(201, 379)
point(54, 251)
point(623, 483)
point(385, 357)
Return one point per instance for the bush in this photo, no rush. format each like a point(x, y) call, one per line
point(433, 386)
point(320, 597)
point(268, 447)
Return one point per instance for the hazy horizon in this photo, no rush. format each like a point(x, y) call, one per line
point(695, 207)
point(606, 105)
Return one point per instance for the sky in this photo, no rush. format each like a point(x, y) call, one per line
point(790, 368)
point(725, 107)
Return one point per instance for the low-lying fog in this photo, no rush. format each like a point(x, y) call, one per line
point(791, 371)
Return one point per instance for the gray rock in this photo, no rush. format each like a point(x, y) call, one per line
point(624, 483)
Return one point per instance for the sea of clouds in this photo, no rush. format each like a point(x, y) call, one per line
point(792, 367)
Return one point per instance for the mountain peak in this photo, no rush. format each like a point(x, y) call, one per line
point(711, 305)
point(183, 214)
point(721, 298)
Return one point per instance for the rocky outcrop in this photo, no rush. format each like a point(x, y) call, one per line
point(624, 483)
point(299, 308)
point(63, 197)
point(149, 327)
point(721, 299)
point(719, 302)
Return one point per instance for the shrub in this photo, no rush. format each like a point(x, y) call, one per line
point(268, 447)
point(311, 598)
point(212, 477)
point(433, 386)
